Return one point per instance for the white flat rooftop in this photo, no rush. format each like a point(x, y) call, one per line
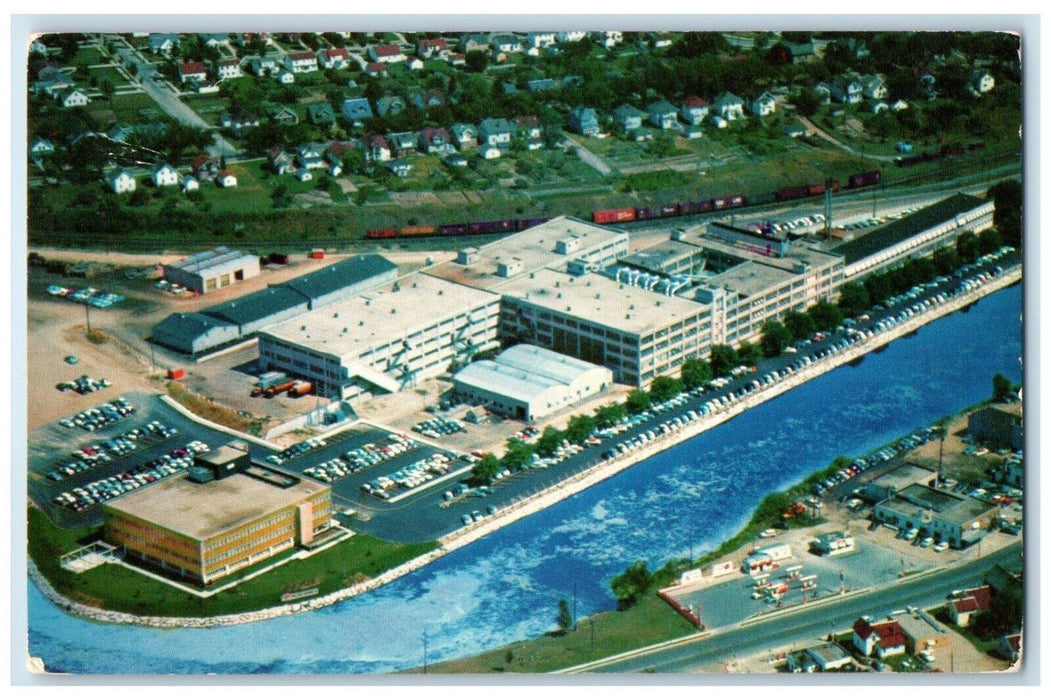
point(601, 301)
point(380, 315)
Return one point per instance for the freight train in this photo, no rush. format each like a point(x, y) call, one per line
point(945, 152)
point(625, 214)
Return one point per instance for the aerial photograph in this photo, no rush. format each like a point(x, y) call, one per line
point(515, 352)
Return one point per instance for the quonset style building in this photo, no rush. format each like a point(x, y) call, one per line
point(204, 528)
point(226, 324)
point(530, 383)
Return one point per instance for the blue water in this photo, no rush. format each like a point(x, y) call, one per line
point(506, 587)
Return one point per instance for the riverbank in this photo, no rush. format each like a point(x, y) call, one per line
point(565, 489)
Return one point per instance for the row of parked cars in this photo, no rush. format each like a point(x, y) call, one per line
point(101, 416)
point(84, 385)
point(300, 448)
point(81, 498)
point(417, 473)
point(91, 456)
point(477, 516)
point(438, 427)
point(88, 295)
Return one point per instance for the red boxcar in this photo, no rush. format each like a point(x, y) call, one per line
point(452, 229)
point(695, 207)
point(785, 193)
point(381, 233)
point(733, 200)
point(612, 216)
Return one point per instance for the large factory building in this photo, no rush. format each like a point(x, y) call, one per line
point(221, 517)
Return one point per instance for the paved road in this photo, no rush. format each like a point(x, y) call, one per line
point(806, 625)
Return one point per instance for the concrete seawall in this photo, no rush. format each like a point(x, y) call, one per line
point(553, 494)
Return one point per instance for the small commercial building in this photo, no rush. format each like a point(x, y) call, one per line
point(194, 334)
point(923, 633)
point(886, 485)
point(998, 426)
point(825, 657)
point(881, 639)
point(528, 382)
point(958, 520)
point(832, 543)
point(213, 269)
point(202, 530)
point(968, 604)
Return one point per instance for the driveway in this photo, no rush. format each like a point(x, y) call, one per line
point(588, 157)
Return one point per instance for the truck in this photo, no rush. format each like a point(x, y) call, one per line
point(300, 388)
point(317, 254)
point(276, 389)
point(278, 258)
point(267, 380)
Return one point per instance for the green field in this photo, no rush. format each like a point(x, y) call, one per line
point(114, 587)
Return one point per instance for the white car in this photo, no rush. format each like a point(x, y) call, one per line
point(941, 546)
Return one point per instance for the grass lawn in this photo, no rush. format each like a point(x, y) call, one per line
point(208, 107)
point(134, 108)
point(118, 588)
point(87, 56)
point(649, 622)
point(109, 73)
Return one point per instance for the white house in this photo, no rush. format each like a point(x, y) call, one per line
point(414, 64)
point(304, 175)
point(694, 110)
point(882, 639)
point(728, 106)
point(570, 36)
point(194, 70)
point(505, 43)
point(386, 53)
point(982, 82)
point(764, 105)
point(164, 175)
point(226, 179)
point(228, 68)
point(41, 147)
point(873, 87)
point(190, 184)
point(611, 39)
point(847, 89)
point(899, 105)
point(74, 98)
point(489, 152)
point(121, 181)
point(540, 40)
point(301, 62)
point(333, 58)
point(377, 148)
point(286, 77)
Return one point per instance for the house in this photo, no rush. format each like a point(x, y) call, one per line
point(402, 143)
point(968, 604)
point(190, 184)
point(356, 110)
point(238, 119)
point(309, 156)
point(194, 70)
point(899, 105)
point(694, 110)
point(692, 131)
point(321, 113)
point(1009, 647)
point(301, 62)
point(662, 40)
point(611, 39)
point(377, 148)
point(429, 48)
point(245, 38)
point(456, 59)
point(53, 86)
point(284, 115)
point(489, 152)
point(881, 640)
point(873, 87)
point(121, 181)
point(304, 175)
point(334, 159)
point(927, 81)
point(431, 98)
point(228, 68)
point(541, 84)
point(164, 175)
point(823, 92)
point(802, 53)
point(399, 167)
point(628, 117)
point(474, 42)
point(285, 77)
point(262, 65)
point(662, 114)
point(923, 633)
point(583, 120)
point(509, 88)
point(41, 148)
point(386, 53)
point(527, 128)
point(825, 657)
point(847, 89)
point(540, 40)
point(120, 133)
point(376, 70)
point(464, 135)
point(505, 43)
point(414, 64)
point(794, 131)
point(728, 106)
point(214, 40)
point(74, 97)
point(570, 37)
point(225, 178)
point(435, 140)
point(207, 87)
point(764, 105)
point(496, 132)
point(981, 82)
point(455, 160)
point(334, 59)
point(878, 106)
point(163, 44)
point(205, 166)
point(390, 104)
point(280, 160)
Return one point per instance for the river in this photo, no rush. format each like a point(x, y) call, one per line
point(506, 586)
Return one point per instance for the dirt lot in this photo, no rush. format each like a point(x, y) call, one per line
point(967, 468)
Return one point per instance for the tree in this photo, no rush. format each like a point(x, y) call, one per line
point(629, 586)
point(549, 441)
point(800, 325)
point(695, 372)
point(946, 260)
point(748, 353)
point(663, 388)
point(853, 298)
point(565, 616)
point(611, 414)
point(517, 455)
point(722, 358)
point(967, 246)
point(989, 241)
point(825, 316)
point(477, 61)
point(485, 469)
point(1001, 388)
point(775, 338)
point(807, 102)
point(139, 198)
point(580, 428)
point(637, 402)
point(1007, 197)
